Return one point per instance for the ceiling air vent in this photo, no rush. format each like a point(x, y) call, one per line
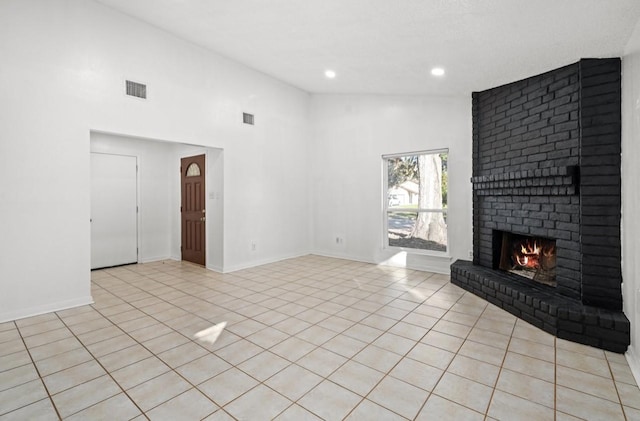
point(136, 89)
point(247, 118)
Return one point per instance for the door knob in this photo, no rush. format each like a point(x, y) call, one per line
point(202, 219)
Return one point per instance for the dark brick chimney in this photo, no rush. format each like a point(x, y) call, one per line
point(546, 163)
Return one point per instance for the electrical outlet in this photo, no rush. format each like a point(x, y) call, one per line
point(339, 240)
point(471, 254)
point(254, 245)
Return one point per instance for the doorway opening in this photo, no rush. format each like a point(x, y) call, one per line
point(159, 223)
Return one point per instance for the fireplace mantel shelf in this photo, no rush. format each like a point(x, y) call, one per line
point(548, 182)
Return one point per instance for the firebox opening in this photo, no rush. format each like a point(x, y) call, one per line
point(530, 257)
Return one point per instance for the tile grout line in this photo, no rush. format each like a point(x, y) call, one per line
point(387, 374)
point(405, 355)
point(103, 367)
point(326, 378)
point(458, 353)
point(430, 393)
point(55, 407)
point(258, 287)
point(495, 385)
point(444, 371)
point(355, 322)
point(232, 365)
point(171, 369)
point(337, 368)
point(615, 385)
point(109, 373)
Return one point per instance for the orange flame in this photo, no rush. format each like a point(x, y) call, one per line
point(529, 254)
point(528, 249)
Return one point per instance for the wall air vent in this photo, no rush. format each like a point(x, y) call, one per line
point(136, 89)
point(247, 118)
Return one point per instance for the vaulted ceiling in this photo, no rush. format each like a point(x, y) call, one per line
point(390, 47)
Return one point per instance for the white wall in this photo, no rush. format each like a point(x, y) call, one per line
point(62, 75)
point(350, 135)
point(631, 194)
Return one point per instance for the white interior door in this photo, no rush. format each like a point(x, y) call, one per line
point(114, 227)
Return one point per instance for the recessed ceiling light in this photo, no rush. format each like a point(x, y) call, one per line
point(437, 71)
point(330, 74)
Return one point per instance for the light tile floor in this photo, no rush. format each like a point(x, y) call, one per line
point(305, 339)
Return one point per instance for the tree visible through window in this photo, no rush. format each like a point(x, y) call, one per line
point(416, 200)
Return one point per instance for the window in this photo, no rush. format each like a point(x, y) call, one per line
point(415, 201)
point(193, 170)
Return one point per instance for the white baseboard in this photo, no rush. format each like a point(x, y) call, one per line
point(444, 268)
point(48, 308)
point(248, 265)
point(342, 256)
point(254, 263)
point(634, 362)
point(154, 259)
point(215, 268)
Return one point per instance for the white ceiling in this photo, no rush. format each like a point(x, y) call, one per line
point(390, 46)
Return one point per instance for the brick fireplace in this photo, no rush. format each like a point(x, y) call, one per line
point(546, 202)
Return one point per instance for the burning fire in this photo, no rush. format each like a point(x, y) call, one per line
point(529, 255)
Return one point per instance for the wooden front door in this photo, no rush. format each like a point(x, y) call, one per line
point(193, 209)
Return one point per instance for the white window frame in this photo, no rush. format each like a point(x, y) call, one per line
point(386, 210)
